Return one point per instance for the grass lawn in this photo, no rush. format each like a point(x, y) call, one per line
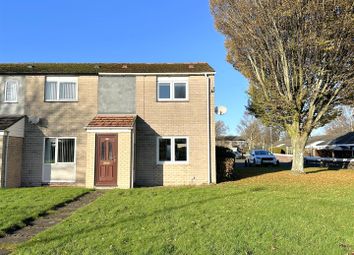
point(263, 213)
point(21, 204)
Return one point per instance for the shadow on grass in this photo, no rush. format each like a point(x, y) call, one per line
point(316, 171)
point(242, 171)
point(126, 220)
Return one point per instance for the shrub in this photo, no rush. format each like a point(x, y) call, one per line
point(225, 160)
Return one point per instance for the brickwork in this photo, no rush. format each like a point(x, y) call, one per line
point(14, 162)
point(90, 160)
point(172, 119)
point(58, 119)
point(1, 159)
point(124, 160)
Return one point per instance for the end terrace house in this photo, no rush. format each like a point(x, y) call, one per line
point(106, 124)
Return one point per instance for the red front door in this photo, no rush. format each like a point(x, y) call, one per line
point(106, 160)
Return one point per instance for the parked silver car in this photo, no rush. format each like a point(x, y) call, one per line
point(261, 157)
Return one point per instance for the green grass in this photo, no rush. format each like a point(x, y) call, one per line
point(263, 213)
point(18, 205)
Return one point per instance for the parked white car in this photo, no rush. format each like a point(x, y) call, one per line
point(261, 157)
point(238, 155)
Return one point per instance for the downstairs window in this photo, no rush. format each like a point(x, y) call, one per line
point(59, 150)
point(172, 150)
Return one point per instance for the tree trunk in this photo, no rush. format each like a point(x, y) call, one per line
point(298, 144)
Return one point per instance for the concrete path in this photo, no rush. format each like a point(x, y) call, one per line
point(44, 222)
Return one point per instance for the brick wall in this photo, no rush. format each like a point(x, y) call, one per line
point(58, 119)
point(172, 119)
point(1, 159)
point(14, 162)
point(90, 160)
point(13, 159)
point(124, 160)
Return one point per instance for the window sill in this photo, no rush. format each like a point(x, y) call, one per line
point(9, 102)
point(58, 181)
point(173, 163)
point(61, 101)
point(59, 163)
point(172, 100)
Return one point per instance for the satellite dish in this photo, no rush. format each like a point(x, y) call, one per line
point(220, 110)
point(33, 119)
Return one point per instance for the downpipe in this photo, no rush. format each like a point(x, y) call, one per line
point(208, 126)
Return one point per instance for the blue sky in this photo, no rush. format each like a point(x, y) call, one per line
point(121, 31)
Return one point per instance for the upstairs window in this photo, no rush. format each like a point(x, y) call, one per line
point(61, 89)
point(172, 89)
point(11, 88)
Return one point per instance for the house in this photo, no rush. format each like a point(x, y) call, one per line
point(333, 146)
point(235, 143)
point(326, 146)
point(106, 124)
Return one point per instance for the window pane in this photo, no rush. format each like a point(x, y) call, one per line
point(49, 150)
point(110, 151)
point(164, 90)
point(66, 150)
point(50, 90)
point(180, 90)
point(103, 150)
point(67, 91)
point(164, 149)
point(11, 91)
point(181, 149)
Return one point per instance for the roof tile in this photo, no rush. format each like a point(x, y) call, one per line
point(8, 121)
point(112, 121)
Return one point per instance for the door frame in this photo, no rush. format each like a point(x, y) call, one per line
point(97, 160)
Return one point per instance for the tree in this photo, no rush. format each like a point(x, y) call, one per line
point(256, 134)
point(250, 129)
point(221, 128)
point(298, 58)
point(343, 123)
point(271, 135)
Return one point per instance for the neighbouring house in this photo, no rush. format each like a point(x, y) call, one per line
point(333, 146)
point(326, 146)
point(235, 143)
point(106, 125)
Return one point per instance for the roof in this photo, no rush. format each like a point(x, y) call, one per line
point(112, 121)
point(8, 121)
point(324, 140)
point(96, 68)
point(347, 138)
point(230, 138)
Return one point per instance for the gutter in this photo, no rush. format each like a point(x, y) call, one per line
point(147, 74)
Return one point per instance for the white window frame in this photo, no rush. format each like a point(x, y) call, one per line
point(58, 80)
point(171, 81)
point(56, 151)
point(5, 91)
point(172, 161)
